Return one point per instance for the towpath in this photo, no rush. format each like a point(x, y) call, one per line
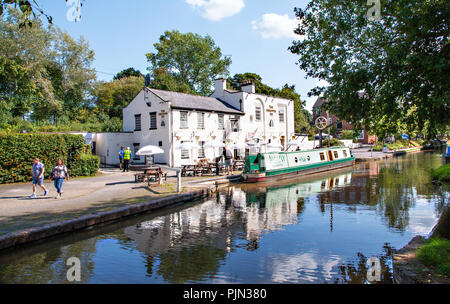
point(111, 189)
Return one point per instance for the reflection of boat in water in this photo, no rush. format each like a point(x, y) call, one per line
point(277, 165)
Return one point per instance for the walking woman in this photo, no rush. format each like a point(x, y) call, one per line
point(59, 173)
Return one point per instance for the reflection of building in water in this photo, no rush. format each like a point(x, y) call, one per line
point(235, 212)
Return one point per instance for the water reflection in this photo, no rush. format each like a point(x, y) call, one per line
point(314, 231)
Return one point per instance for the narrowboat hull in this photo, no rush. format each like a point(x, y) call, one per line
point(287, 168)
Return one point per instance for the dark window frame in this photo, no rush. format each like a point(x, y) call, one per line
point(155, 115)
point(136, 117)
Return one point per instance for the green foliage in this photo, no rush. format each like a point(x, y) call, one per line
point(19, 150)
point(112, 97)
point(27, 11)
point(43, 71)
point(163, 80)
point(436, 254)
point(86, 165)
point(332, 143)
point(130, 72)
point(190, 59)
point(302, 117)
point(442, 173)
point(397, 145)
point(348, 134)
point(401, 62)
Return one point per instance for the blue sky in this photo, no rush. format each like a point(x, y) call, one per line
point(256, 33)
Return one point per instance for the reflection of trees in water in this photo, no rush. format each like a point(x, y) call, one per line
point(393, 187)
point(356, 272)
point(50, 266)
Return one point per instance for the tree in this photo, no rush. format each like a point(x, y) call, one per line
point(112, 97)
point(43, 71)
point(400, 62)
point(24, 57)
point(190, 59)
point(287, 91)
point(163, 80)
point(127, 73)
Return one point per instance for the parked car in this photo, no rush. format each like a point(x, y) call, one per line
point(324, 136)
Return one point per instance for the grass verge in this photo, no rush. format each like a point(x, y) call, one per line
point(436, 254)
point(442, 173)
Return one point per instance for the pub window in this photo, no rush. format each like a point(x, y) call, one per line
point(339, 125)
point(153, 123)
point(200, 121)
point(137, 122)
point(221, 122)
point(258, 112)
point(183, 120)
point(322, 156)
point(135, 149)
point(336, 154)
point(234, 125)
point(160, 143)
point(184, 153)
point(281, 115)
point(201, 150)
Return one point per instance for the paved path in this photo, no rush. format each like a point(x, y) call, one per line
point(110, 190)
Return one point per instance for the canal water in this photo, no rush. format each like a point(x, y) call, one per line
point(320, 230)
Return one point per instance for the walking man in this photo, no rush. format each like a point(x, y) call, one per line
point(126, 159)
point(121, 152)
point(38, 177)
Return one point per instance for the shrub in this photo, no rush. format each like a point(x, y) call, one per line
point(17, 152)
point(86, 165)
point(348, 134)
point(333, 142)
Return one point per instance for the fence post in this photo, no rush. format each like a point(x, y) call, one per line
point(179, 180)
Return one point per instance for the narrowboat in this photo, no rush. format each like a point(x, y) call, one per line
point(274, 165)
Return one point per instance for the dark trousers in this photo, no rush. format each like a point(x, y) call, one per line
point(126, 163)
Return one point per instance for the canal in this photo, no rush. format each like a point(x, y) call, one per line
point(320, 230)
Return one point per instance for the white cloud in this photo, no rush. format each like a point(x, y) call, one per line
point(275, 26)
point(216, 10)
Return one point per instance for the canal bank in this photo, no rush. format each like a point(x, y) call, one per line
point(91, 201)
point(321, 229)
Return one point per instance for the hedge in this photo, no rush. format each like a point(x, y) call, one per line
point(17, 152)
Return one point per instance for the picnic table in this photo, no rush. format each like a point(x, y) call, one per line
point(204, 168)
point(151, 174)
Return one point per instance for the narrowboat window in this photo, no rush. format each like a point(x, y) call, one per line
point(322, 156)
point(336, 154)
point(345, 153)
point(308, 158)
point(296, 160)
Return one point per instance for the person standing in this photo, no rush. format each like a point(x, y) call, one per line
point(121, 153)
point(38, 177)
point(228, 161)
point(126, 159)
point(59, 173)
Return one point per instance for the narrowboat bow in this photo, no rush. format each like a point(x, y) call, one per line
point(263, 166)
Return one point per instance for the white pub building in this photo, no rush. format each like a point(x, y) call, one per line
point(190, 127)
